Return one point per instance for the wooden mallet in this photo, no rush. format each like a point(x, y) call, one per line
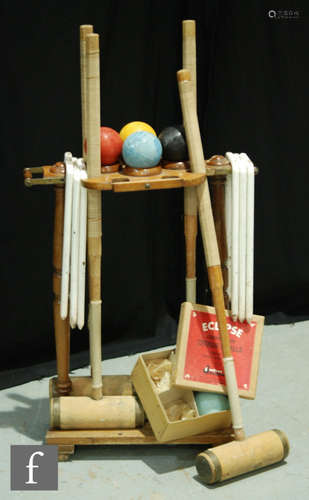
point(242, 455)
point(82, 411)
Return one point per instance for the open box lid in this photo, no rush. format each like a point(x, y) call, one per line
point(199, 363)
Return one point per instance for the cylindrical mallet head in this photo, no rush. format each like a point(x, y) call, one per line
point(239, 457)
point(82, 412)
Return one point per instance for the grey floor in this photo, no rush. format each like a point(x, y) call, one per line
point(168, 472)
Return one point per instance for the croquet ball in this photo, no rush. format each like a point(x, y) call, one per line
point(111, 146)
point(141, 150)
point(132, 127)
point(209, 402)
point(173, 140)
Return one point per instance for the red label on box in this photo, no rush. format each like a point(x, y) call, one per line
point(203, 361)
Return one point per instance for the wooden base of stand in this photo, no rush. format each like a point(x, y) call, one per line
point(67, 440)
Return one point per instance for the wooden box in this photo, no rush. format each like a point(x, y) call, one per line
point(154, 405)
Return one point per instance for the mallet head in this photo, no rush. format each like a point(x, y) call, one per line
point(239, 457)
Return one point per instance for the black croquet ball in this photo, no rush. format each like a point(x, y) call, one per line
point(173, 140)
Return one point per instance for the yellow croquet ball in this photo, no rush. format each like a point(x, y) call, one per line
point(132, 127)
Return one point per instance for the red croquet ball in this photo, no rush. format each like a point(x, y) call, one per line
point(111, 145)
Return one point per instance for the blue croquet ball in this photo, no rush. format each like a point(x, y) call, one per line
point(209, 402)
point(141, 150)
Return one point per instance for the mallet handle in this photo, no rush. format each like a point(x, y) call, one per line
point(189, 53)
point(85, 30)
point(190, 198)
point(94, 209)
point(209, 239)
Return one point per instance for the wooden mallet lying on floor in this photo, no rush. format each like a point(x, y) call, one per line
point(242, 455)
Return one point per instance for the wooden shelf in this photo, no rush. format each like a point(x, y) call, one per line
point(167, 179)
point(174, 177)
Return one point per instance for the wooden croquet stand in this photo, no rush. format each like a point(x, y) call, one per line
point(125, 180)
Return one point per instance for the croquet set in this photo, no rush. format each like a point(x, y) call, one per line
point(186, 395)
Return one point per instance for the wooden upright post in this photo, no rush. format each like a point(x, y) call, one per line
point(61, 327)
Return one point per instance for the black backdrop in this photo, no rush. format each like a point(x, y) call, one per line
point(252, 91)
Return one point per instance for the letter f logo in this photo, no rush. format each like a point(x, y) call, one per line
point(31, 466)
